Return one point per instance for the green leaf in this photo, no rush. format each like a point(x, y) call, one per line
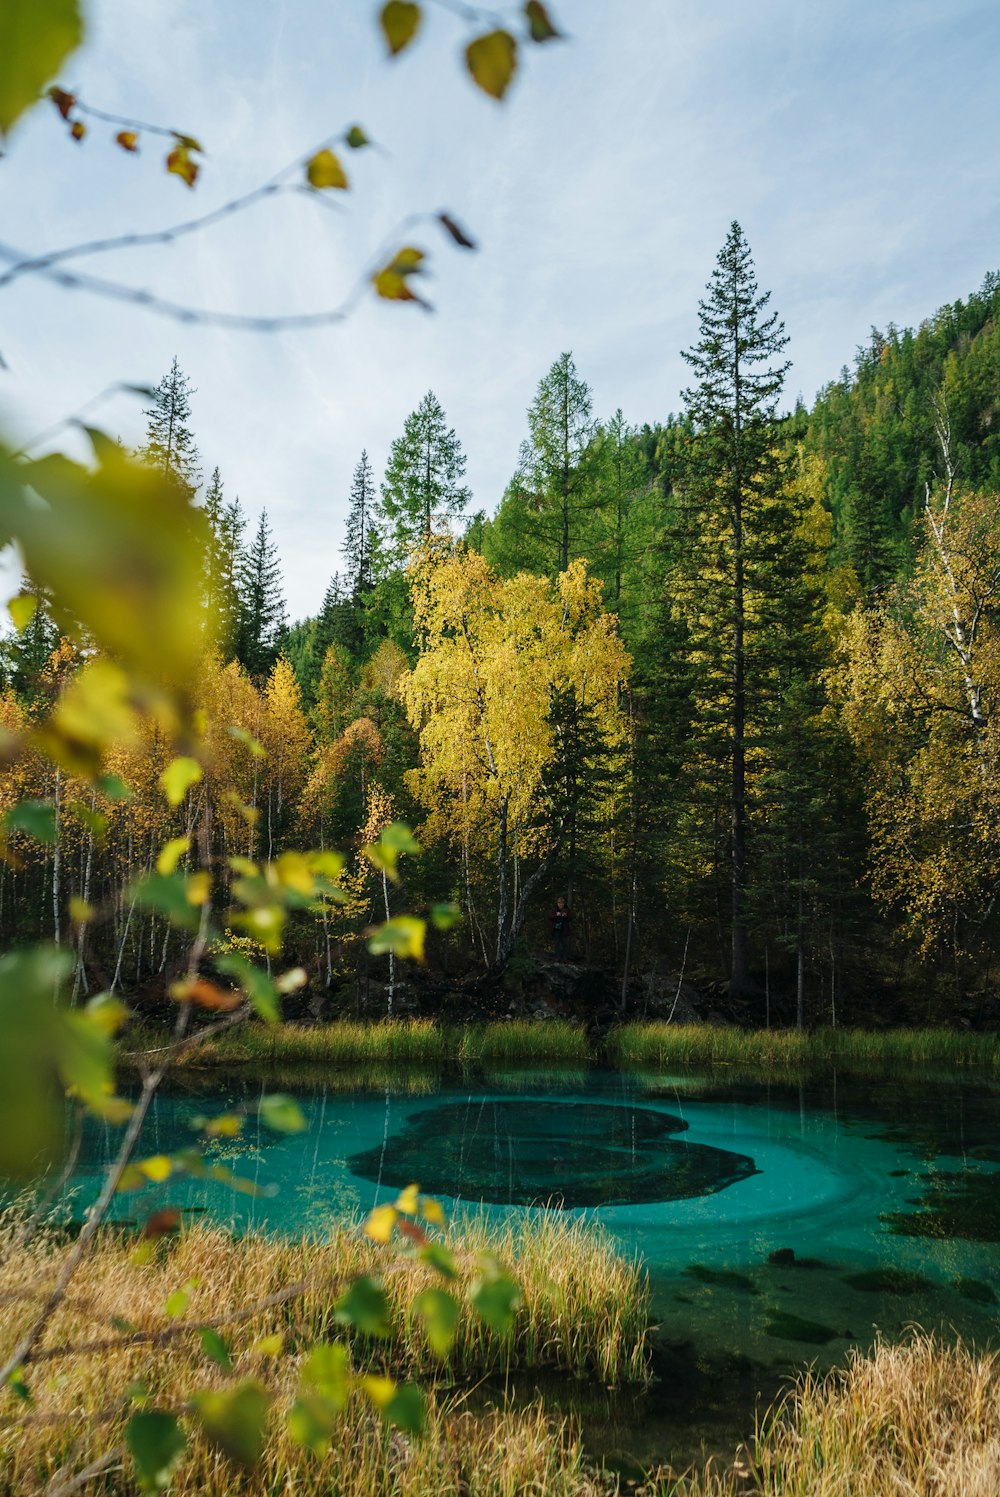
point(495, 1296)
point(311, 1421)
point(22, 610)
point(438, 1313)
point(399, 20)
point(492, 61)
point(156, 1443)
point(114, 787)
point(249, 742)
point(403, 936)
point(167, 894)
point(176, 1303)
point(324, 170)
point(32, 1029)
point(260, 990)
point(365, 1307)
point(37, 818)
point(446, 916)
point(171, 853)
point(178, 777)
point(213, 1346)
point(327, 1370)
point(406, 1409)
point(438, 1256)
point(35, 41)
point(236, 1420)
point(19, 1387)
point(282, 1114)
point(356, 138)
point(540, 26)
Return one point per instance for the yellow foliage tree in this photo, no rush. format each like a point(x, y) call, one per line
point(497, 656)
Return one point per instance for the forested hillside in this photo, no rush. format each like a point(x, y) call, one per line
point(728, 684)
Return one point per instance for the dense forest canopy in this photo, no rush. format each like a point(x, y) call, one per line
point(727, 682)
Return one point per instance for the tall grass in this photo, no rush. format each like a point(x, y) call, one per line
point(530, 1041)
point(585, 1311)
point(387, 1042)
point(920, 1419)
point(787, 1051)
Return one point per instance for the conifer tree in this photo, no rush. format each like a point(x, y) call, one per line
point(359, 537)
point(226, 524)
point(422, 489)
point(261, 603)
point(737, 527)
point(170, 445)
point(554, 475)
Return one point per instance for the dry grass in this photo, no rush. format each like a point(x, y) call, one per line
point(916, 1420)
point(585, 1311)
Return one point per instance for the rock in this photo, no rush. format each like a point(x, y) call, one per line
point(783, 1257)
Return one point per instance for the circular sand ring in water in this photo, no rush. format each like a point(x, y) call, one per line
point(517, 1152)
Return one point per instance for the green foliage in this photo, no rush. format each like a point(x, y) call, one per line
point(35, 41)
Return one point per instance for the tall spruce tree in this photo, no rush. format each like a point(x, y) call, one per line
point(359, 534)
point(170, 445)
point(552, 494)
point(737, 527)
point(226, 524)
point(261, 603)
point(422, 489)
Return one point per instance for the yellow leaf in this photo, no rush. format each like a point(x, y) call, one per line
point(178, 777)
point(22, 610)
point(198, 887)
point(325, 170)
point(80, 911)
point(35, 40)
point(381, 1390)
point(180, 163)
point(407, 1200)
point(431, 1211)
point(157, 1167)
point(540, 22)
point(128, 140)
point(294, 873)
point(171, 853)
point(379, 1223)
point(106, 1014)
point(392, 281)
point(492, 61)
point(269, 1346)
point(399, 20)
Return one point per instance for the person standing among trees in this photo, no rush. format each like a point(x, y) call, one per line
point(560, 920)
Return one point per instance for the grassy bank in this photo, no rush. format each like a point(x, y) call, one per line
point(395, 1042)
point(921, 1418)
point(375, 1049)
point(585, 1311)
point(789, 1052)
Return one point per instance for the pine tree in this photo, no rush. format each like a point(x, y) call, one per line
point(737, 528)
point(170, 445)
point(358, 539)
point(222, 563)
point(554, 474)
point(422, 490)
point(261, 603)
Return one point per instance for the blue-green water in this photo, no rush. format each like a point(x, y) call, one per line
point(888, 1195)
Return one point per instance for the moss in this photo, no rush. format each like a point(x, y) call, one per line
point(794, 1328)
point(888, 1281)
point(724, 1278)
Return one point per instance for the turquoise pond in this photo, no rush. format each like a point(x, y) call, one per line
point(886, 1193)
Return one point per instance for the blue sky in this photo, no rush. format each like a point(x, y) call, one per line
point(856, 144)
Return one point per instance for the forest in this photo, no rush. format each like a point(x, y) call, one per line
point(726, 683)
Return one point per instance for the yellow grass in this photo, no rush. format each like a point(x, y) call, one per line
point(585, 1311)
point(916, 1420)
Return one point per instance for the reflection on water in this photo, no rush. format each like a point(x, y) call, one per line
point(780, 1224)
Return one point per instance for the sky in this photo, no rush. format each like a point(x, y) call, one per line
point(854, 142)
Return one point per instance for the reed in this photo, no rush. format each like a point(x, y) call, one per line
point(920, 1417)
point(788, 1051)
point(524, 1041)
point(585, 1311)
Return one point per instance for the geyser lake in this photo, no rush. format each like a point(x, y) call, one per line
point(886, 1192)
